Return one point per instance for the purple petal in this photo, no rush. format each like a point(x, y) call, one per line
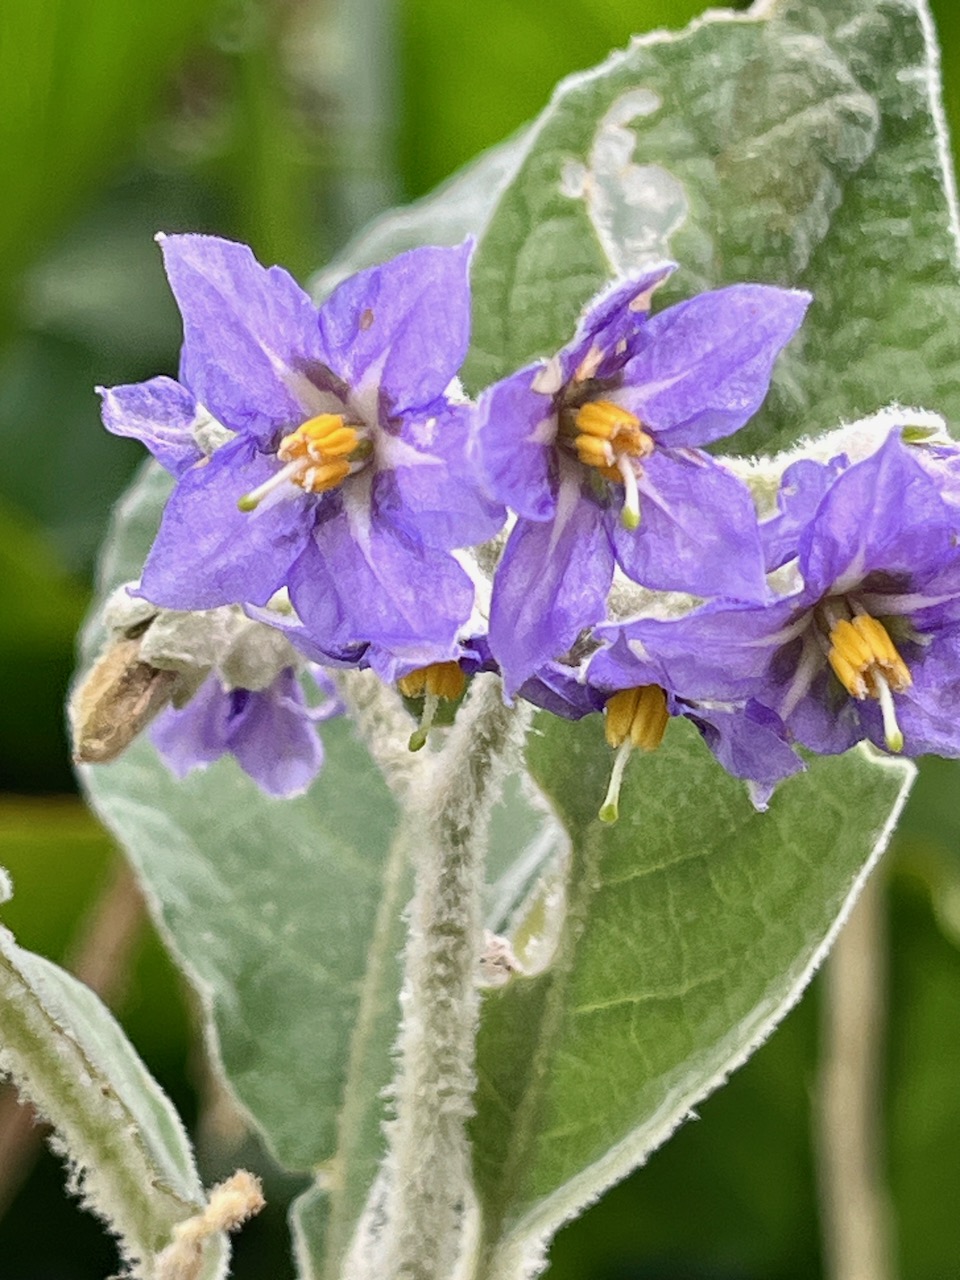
point(324, 701)
point(359, 583)
point(405, 324)
point(558, 690)
point(251, 338)
point(195, 735)
point(618, 666)
point(271, 734)
point(698, 529)
point(514, 444)
point(702, 368)
point(718, 653)
point(801, 488)
point(208, 552)
point(885, 514)
point(929, 711)
point(551, 583)
point(275, 740)
point(749, 742)
point(303, 642)
point(425, 486)
point(612, 321)
point(161, 414)
point(931, 601)
point(824, 719)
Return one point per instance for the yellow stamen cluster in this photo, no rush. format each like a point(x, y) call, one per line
point(606, 433)
point(441, 679)
point(323, 446)
point(865, 659)
point(638, 714)
point(635, 719)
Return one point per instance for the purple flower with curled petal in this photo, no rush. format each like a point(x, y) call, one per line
point(869, 646)
point(345, 478)
point(271, 733)
point(637, 701)
point(595, 451)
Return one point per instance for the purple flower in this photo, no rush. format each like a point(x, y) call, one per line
point(345, 478)
point(440, 682)
point(868, 647)
point(637, 701)
point(270, 733)
point(594, 451)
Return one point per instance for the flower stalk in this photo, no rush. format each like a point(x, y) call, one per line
point(428, 1165)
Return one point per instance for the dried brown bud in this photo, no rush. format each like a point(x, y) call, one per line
point(118, 698)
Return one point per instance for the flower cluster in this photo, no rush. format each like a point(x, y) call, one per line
point(329, 453)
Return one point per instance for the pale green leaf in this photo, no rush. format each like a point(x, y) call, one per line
point(269, 906)
point(805, 149)
point(691, 927)
point(803, 145)
point(460, 207)
point(129, 1154)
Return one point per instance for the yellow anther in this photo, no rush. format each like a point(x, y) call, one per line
point(865, 659)
point(335, 444)
point(594, 452)
point(442, 679)
point(848, 675)
point(323, 476)
point(438, 680)
point(878, 638)
point(852, 644)
point(607, 437)
point(639, 714)
point(414, 684)
point(446, 680)
point(325, 440)
point(636, 719)
point(319, 455)
point(607, 421)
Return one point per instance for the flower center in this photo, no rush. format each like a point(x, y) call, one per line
point(608, 438)
point(439, 680)
point(866, 662)
point(319, 455)
point(635, 719)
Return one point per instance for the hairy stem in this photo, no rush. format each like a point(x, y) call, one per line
point(855, 1209)
point(383, 723)
point(428, 1166)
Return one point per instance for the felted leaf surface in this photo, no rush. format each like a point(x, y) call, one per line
point(66, 1053)
point(691, 926)
point(268, 905)
point(802, 146)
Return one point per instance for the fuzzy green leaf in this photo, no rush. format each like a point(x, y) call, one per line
point(804, 147)
point(128, 1152)
point(690, 927)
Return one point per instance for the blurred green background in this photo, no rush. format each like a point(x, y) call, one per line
point(288, 123)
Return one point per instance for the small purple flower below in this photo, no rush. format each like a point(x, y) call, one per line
point(270, 733)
